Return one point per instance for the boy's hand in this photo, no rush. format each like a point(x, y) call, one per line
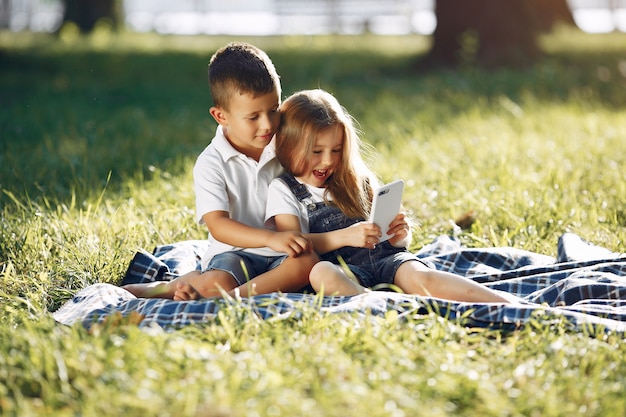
point(292, 243)
point(362, 235)
point(401, 231)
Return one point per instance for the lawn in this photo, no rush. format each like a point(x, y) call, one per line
point(97, 140)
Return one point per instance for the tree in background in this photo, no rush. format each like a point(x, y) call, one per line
point(493, 32)
point(86, 13)
point(483, 32)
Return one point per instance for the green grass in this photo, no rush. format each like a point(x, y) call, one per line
point(97, 140)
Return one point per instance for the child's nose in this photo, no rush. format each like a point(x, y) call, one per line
point(266, 122)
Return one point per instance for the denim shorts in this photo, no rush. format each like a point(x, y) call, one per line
point(244, 266)
point(382, 270)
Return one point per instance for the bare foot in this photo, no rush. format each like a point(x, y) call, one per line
point(158, 289)
point(185, 292)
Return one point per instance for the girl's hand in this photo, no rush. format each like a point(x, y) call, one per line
point(362, 235)
point(401, 231)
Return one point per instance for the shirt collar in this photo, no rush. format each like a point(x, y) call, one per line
point(223, 146)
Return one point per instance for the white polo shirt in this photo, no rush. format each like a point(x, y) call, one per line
point(227, 180)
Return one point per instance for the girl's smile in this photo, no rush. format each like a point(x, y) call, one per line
point(325, 157)
point(318, 173)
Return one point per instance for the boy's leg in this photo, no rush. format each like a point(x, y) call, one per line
point(157, 289)
point(291, 275)
point(206, 284)
point(331, 279)
point(413, 277)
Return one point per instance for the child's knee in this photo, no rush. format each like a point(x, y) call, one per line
point(330, 279)
point(415, 280)
point(322, 274)
point(310, 260)
point(303, 263)
point(211, 283)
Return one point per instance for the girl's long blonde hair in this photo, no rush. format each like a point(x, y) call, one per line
point(305, 115)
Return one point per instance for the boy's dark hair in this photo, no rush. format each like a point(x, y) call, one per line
point(242, 68)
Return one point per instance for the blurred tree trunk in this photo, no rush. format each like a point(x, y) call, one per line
point(5, 13)
point(86, 13)
point(492, 32)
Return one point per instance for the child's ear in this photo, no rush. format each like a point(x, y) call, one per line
point(218, 114)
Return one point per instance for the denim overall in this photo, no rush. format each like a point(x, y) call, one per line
point(371, 266)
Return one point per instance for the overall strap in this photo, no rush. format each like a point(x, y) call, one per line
point(299, 190)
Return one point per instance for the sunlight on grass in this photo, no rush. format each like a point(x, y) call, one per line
point(99, 136)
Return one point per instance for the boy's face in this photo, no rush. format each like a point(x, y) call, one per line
point(250, 122)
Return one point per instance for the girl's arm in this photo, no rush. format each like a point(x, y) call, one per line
point(287, 223)
point(362, 235)
point(359, 235)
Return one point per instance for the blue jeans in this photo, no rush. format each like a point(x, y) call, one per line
point(242, 265)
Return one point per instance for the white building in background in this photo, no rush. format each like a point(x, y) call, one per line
point(242, 17)
point(35, 15)
point(271, 17)
point(599, 16)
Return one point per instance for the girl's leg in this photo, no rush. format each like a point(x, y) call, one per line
point(291, 275)
point(413, 277)
point(331, 279)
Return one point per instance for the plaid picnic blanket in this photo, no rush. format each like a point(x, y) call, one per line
point(585, 284)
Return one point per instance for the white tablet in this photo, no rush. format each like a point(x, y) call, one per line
point(386, 206)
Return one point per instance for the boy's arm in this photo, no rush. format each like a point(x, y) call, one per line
point(234, 233)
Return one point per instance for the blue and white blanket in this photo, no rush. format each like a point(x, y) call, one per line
point(585, 285)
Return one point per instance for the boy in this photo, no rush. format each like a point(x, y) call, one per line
point(231, 179)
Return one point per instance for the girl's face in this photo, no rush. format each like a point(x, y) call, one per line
point(324, 158)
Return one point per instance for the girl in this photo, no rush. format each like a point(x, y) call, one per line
point(326, 193)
